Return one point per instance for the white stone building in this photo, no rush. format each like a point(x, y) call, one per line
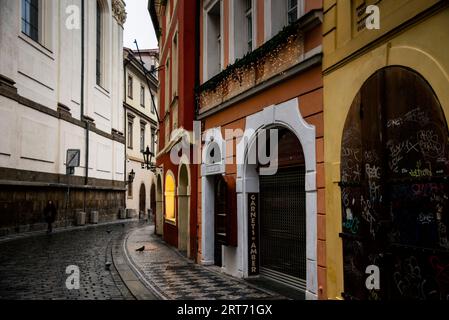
point(60, 89)
point(140, 103)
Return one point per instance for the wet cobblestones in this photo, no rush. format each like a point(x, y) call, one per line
point(35, 268)
point(176, 278)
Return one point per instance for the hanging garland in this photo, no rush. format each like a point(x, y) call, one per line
point(253, 59)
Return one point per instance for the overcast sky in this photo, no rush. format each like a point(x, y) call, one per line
point(139, 26)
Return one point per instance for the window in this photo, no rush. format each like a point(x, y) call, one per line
point(142, 137)
point(292, 11)
point(142, 95)
point(167, 129)
point(170, 198)
point(130, 134)
point(167, 84)
point(282, 13)
point(153, 141)
point(130, 87)
point(249, 24)
point(99, 40)
point(213, 41)
point(175, 67)
point(30, 18)
point(153, 103)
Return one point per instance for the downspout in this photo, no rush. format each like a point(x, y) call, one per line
point(125, 120)
point(196, 92)
point(86, 178)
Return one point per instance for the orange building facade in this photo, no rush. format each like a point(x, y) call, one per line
point(260, 76)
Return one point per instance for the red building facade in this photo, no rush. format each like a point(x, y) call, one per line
point(176, 218)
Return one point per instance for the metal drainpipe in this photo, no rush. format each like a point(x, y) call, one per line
point(125, 120)
point(86, 178)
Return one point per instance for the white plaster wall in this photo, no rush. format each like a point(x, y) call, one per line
point(49, 74)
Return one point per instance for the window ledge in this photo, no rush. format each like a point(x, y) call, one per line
point(36, 45)
point(170, 221)
point(103, 90)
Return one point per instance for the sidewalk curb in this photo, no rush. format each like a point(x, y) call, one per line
point(26, 235)
point(127, 272)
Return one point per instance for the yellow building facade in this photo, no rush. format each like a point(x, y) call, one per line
point(414, 36)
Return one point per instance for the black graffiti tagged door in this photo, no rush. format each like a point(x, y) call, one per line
point(394, 183)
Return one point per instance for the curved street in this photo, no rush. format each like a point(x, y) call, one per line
point(34, 268)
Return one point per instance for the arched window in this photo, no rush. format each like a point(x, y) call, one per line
point(170, 198)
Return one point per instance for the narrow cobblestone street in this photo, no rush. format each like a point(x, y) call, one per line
point(34, 268)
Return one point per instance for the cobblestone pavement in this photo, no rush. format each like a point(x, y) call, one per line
point(34, 268)
point(176, 278)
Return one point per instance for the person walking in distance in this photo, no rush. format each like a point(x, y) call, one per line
point(50, 215)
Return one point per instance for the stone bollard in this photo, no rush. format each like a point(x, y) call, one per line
point(94, 216)
point(122, 214)
point(80, 218)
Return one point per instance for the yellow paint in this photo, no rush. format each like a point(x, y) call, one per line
point(170, 197)
point(423, 47)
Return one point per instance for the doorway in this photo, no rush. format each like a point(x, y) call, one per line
point(283, 216)
point(184, 211)
point(394, 184)
point(142, 201)
point(220, 219)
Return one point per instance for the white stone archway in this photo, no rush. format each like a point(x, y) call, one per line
point(211, 166)
point(285, 115)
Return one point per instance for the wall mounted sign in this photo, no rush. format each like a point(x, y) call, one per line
point(253, 234)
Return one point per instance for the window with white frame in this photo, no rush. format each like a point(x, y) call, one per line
point(213, 42)
point(175, 66)
point(153, 140)
point(30, 18)
point(142, 137)
point(99, 45)
point(292, 11)
point(36, 21)
point(130, 87)
point(142, 95)
point(281, 14)
point(130, 133)
point(243, 27)
point(249, 24)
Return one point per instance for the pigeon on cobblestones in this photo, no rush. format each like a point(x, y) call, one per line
point(141, 249)
point(108, 265)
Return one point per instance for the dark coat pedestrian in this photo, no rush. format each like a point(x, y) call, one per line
point(50, 215)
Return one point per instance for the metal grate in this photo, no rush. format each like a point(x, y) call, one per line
point(283, 226)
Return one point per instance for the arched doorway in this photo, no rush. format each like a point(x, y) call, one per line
point(159, 228)
point(184, 210)
point(283, 214)
point(394, 183)
point(142, 201)
point(153, 203)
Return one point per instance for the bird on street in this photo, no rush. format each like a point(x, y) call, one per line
point(108, 265)
point(141, 249)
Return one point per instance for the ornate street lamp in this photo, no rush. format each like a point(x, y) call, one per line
point(131, 177)
point(148, 160)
